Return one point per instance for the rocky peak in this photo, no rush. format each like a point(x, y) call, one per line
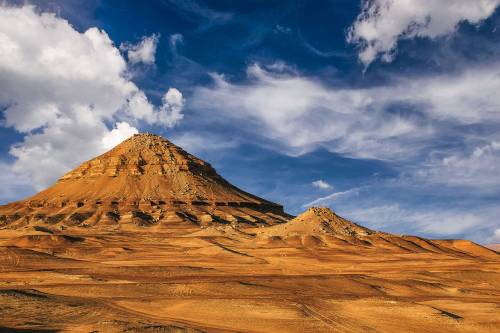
point(148, 179)
point(142, 154)
point(327, 221)
point(316, 221)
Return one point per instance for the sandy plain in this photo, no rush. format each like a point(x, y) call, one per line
point(183, 282)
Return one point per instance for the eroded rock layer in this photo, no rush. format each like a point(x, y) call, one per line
point(145, 181)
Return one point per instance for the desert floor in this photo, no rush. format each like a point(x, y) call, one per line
point(229, 282)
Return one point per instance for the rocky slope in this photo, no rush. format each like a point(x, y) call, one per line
point(146, 181)
point(321, 227)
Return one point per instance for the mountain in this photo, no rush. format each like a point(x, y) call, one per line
point(146, 181)
point(148, 184)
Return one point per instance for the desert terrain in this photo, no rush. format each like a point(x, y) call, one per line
point(148, 238)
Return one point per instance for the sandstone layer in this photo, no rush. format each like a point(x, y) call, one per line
point(146, 181)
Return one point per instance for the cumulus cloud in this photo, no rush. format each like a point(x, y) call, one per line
point(382, 23)
point(172, 106)
point(168, 114)
point(61, 87)
point(142, 52)
point(321, 184)
point(121, 132)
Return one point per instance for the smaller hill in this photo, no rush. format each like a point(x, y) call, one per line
point(317, 221)
point(322, 227)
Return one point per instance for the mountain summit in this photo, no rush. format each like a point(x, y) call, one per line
point(145, 180)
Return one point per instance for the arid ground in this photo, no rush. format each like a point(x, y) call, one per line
point(221, 283)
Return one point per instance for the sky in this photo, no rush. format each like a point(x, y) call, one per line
point(385, 111)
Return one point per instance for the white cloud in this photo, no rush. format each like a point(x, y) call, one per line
point(321, 184)
point(477, 169)
point(282, 29)
point(496, 236)
point(168, 114)
point(376, 206)
point(329, 199)
point(61, 87)
point(176, 39)
point(468, 96)
point(436, 221)
point(383, 22)
point(142, 52)
point(304, 114)
point(173, 103)
point(298, 114)
point(121, 132)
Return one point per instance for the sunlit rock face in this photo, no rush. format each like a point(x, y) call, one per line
point(144, 181)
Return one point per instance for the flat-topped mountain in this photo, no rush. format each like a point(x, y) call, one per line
point(144, 181)
point(147, 167)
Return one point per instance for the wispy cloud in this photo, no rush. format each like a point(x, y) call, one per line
point(327, 200)
point(434, 222)
point(477, 169)
point(304, 114)
point(208, 16)
point(495, 238)
point(196, 142)
point(342, 53)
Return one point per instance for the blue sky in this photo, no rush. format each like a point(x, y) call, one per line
point(388, 114)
